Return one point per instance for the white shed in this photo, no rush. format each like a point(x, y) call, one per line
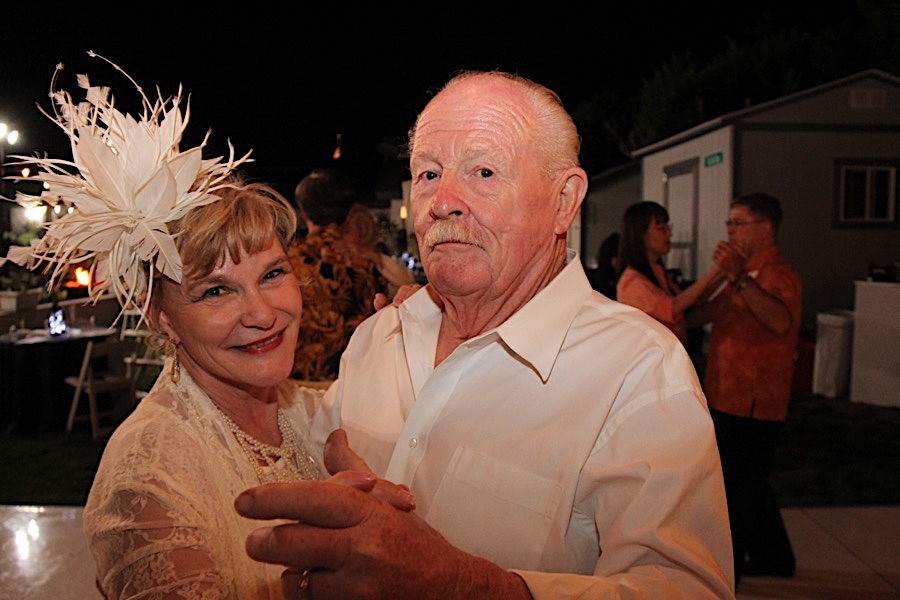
point(830, 154)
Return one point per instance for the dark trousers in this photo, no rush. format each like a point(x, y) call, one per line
point(759, 538)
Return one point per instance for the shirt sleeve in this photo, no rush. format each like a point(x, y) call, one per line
point(664, 536)
point(782, 282)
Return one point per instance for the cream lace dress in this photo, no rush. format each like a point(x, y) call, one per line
point(160, 518)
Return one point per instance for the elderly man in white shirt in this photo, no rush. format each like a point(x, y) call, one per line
point(558, 443)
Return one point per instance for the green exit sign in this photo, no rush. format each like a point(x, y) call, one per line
point(711, 160)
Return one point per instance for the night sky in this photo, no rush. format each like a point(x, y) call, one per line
point(285, 83)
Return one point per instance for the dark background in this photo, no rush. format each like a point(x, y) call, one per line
point(285, 80)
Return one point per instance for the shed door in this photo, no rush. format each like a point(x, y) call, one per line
point(682, 202)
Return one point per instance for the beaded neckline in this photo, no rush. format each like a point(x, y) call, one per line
point(289, 462)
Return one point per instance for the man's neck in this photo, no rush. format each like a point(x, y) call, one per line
point(762, 251)
point(470, 316)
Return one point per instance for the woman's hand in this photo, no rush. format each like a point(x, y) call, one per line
point(404, 292)
point(341, 543)
point(347, 468)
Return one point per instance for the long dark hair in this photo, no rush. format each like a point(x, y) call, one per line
point(632, 250)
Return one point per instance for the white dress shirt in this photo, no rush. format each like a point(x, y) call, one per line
point(572, 444)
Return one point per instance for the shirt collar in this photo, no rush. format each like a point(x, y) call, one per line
point(760, 258)
point(535, 332)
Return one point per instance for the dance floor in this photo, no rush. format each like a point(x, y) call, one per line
point(847, 553)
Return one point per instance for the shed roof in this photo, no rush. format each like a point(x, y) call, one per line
point(745, 113)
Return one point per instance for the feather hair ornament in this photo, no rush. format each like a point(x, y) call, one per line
point(127, 179)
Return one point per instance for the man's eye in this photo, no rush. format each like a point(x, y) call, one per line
point(429, 175)
point(485, 173)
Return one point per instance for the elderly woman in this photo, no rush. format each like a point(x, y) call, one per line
point(222, 416)
point(202, 254)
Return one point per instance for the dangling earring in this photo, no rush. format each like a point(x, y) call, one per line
point(175, 373)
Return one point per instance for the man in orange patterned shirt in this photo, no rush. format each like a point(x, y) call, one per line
point(755, 325)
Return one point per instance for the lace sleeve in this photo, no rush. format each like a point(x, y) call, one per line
point(156, 554)
point(160, 518)
point(152, 536)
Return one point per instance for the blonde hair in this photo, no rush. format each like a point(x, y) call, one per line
point(244, 218)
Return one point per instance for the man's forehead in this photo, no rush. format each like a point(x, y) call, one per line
point(479, 92)
point(479, 123)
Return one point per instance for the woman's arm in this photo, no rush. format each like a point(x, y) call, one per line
point(697, 291)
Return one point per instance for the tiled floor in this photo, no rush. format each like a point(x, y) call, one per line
point(842, 554)
point(847, 553)
point(43, 554)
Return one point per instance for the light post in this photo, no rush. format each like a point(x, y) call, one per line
point(7, 136)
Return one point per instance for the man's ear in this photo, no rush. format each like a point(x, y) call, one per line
point(571, 195)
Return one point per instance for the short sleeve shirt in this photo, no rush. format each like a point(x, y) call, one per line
point(750, 369)
point(636, 290)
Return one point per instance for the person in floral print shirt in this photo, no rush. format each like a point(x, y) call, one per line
point(338, 282)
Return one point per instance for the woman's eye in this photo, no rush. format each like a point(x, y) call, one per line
point(273, 274)
point(213, 292)
point(429, 175)
point(485, 173)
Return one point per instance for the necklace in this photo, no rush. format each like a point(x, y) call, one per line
point(289, 462)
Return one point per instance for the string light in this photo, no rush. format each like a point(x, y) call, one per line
point(36, 212)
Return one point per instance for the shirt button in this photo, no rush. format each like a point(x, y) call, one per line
point(413, 442)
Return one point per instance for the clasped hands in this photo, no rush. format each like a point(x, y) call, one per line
point(358, 534)
point(729, 259)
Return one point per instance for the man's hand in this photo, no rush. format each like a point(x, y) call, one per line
point(729, 259)
point(350, 540)
point(358, 546)
point(353, 545)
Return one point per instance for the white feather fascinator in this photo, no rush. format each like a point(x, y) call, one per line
point(127, 179)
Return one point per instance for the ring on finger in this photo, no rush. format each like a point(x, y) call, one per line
point(303, 584)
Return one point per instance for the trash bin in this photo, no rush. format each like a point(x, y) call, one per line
point(834, 341)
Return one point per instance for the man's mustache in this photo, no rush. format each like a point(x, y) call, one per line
point(446, 231)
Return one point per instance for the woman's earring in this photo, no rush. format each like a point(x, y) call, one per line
point(175, 373)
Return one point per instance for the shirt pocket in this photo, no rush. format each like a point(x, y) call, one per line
point(495, 509)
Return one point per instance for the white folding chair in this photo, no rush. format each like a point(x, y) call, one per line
point(103, 372)
point(145, 362)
